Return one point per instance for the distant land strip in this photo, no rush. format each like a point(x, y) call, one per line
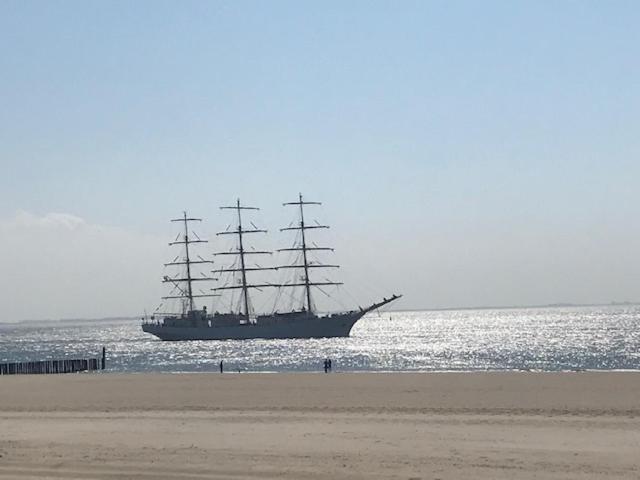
point(443, 309)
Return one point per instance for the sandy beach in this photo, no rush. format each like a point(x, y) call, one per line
point(248, 426)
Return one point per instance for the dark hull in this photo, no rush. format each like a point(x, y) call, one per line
point(337, 325)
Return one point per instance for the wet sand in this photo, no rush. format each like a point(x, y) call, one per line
point(356, 426)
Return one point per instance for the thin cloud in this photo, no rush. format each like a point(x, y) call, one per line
point(23, 219)
point(68, 267)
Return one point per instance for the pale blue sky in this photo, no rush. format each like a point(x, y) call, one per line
point(483, 152)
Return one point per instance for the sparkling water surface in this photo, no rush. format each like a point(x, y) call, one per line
point(549, 339)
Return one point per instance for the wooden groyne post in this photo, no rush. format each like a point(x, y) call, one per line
point(54, 366)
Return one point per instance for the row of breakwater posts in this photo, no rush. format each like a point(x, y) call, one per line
point(55, 366)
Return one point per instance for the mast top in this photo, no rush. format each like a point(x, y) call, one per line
point(301, 202)
point(302, 226)
point(186, 219)
point(238, 206)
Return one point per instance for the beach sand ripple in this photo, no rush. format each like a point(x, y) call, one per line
point(248, 426)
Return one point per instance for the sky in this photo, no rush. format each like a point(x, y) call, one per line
point(466, 153)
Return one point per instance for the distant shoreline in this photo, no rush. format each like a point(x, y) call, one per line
point(522, 307)
point(443, 309)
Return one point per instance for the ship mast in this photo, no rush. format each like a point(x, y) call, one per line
point(241, 252)
point(187, 262)
point(304, 248)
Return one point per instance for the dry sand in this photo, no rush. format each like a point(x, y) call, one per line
point(317, 426)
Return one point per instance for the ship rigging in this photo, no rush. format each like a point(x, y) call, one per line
point(182, 282)
point(240, 266)
point(303, 262)
point(243, 323)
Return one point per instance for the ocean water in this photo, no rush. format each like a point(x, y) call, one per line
point(547, 339)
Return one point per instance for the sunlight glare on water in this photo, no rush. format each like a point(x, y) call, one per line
point(548, 339)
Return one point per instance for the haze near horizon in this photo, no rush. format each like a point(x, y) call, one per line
point(466, 153)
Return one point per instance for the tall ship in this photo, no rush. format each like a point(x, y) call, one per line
point(238, 320)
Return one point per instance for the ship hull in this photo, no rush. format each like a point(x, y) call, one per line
point(337, 325)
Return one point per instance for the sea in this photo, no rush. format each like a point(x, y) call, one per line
point(515, 339)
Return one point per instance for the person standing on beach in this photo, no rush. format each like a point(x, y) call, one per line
point(221, 367)
point(326, 365)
